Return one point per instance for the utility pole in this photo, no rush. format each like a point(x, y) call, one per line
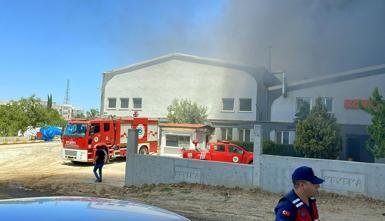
point(67, 95)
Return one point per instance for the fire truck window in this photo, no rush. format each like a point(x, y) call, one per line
point(219, 148)
point(234, 149)
point(81, 128)
point(106, 127)
point(95, 128)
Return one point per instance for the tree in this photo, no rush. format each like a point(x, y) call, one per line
point(49, 101)
point(80, 114)
point(376, 108)
point(304, 110)
point(92, 113)
point(186, 111)
point(318, 134)
point(18, 115)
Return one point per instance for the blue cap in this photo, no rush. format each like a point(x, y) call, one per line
point(306, 173)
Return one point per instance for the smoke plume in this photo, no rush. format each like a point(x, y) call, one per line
point(306, 38)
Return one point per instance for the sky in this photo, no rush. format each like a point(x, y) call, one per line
point(45, 42)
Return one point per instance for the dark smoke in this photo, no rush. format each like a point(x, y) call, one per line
point(308, 38)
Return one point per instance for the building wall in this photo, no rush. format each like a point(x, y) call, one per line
point(283, 109)
point(160, 83)
point(67, 111)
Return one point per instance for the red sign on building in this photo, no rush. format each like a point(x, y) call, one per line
point(355, 103)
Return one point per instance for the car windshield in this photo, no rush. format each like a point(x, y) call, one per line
point(75, 130)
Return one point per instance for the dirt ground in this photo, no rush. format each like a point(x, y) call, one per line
point(37, 170)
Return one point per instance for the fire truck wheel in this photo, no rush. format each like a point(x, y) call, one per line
point(143, 150)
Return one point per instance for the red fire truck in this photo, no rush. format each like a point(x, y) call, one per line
point(81, 137)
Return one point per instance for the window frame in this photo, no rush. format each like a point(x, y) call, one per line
point(128, 103)
point(227, 130)
point(106, 127)
point(243, 137)
point(133, 103)
point(178, 138)
point(171, 135)
point(108, 103)
point(223, 104)
point(296, 103)
point(282, 132)
point(251, 105)
point(323, 99)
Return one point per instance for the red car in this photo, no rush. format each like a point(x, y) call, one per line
point(221, 151)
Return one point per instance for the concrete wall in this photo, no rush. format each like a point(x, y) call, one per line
point(154, 169)
point(160, 83)
point(14, 140)
point(283, 108)
point(342, 177)
point(270, 173)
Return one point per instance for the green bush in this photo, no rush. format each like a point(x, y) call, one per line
point(376, 108)
point(318, 135)
point(269, 147)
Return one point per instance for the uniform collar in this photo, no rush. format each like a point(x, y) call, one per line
point(295, 200)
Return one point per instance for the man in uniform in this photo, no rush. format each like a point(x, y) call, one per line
point(299, 204)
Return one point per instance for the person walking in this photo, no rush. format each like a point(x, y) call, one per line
point(100, 156)
point(300, 203)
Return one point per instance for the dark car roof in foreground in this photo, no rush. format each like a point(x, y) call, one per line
point(81, 209)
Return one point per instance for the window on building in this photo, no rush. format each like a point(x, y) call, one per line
point(111, 102)
point(137, 103)
point(171, 140)
point(184, 141)
point(123, 102)
point(282, 137)
point(301, 103)
point(245, 104)
point(106, 127)
point(244, 135)
point(328, 102)
point(227, 104)
point(178, 141)
point(227, 133)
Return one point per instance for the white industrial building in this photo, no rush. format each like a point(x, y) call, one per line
point(235, 95)
point(341, 94)
point(238, 96)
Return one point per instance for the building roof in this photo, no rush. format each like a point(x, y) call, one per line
point(334, 78)
point(257, 72)
point(191, 126)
